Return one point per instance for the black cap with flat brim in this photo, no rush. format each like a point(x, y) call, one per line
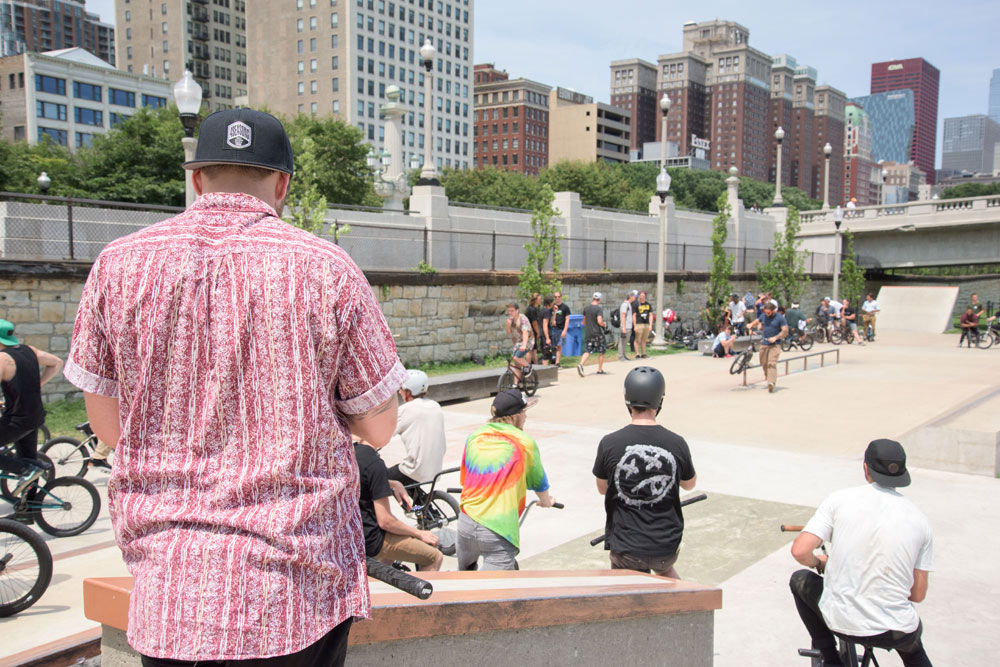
point(886, 461)
point(243, 137)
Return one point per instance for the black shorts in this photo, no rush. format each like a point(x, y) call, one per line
point(596, 344)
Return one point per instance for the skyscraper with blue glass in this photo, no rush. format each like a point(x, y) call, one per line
point(893, 121)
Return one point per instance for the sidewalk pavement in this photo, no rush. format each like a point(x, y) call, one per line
point(763, 459)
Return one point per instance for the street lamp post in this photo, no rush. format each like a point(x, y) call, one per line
point(662, 190)
point(664, 110)
point(187, 95)
point(838, 219)
point(428, 176)
point(882, 195)
point(44, 182)
point(779, 136)
point(827, 151)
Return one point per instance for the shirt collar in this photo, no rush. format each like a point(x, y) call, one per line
point(235, 201)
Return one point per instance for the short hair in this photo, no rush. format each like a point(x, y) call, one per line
point(870, 294)
point(769, 305)
point(548, 300)
point(246, 171)
point(513, 305)
point(508, 419)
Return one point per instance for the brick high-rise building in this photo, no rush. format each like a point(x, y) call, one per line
point(163, 39)
point(858, 164)
point(510, 122)
point(317, 58)
point(633, 88)
point(782, 115)
point(923, 79)
point(50, 25)
point(828, 127)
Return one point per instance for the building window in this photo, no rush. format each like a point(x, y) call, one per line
point(333, 20)
point(50, 84)
point(84, 139)
point(86, 91)
point(50, 110)
point(153, 101)
point(86, 116)
point(122, 98)
point(163, 27)
point(116, 119)
point(58, 136)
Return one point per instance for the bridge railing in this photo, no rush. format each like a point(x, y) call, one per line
point(914, 208)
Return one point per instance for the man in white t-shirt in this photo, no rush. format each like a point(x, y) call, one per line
point(871, 311)
point(880, 553)
point(736, 310)
point(420, 425)
point(627, 323)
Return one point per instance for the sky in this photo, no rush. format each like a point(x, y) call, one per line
point(570, 43)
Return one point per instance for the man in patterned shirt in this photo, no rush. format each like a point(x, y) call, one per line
point(500, 463)
point(228, 357)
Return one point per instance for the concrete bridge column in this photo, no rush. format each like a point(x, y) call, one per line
point(571, 210)
point(430, 203)
point(736, 212)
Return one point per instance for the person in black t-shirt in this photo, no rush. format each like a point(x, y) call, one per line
point(560, 317)
point(533, 313)
point(640, 470)
point(593, 333)
point(545, 329)
point(387, 538)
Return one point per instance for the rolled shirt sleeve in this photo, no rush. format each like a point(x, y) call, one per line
point(91, 364)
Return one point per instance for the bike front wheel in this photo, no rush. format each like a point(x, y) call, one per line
point(740, 363)
point(25, 567)
point(984, 341)
point(69, 456)
point(836, 336)
point(529, 385)
point(66, 506)
point(507, 381)
point(786, 344)
point(806, 342)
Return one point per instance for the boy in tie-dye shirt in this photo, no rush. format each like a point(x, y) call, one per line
point(501, 462)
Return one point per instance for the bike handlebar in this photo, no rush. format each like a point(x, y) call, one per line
point(684, 503)
point(791, 528)
point(407, 583)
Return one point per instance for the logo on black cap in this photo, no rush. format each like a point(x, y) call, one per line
point(238, 135)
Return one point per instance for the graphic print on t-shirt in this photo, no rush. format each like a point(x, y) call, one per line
point(645, 475)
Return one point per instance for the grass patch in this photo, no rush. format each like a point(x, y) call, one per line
point(62, 416)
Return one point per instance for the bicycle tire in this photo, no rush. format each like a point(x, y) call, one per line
point(739, 363)
point(529, 385)
point(70, 461)
point(806, 342)
point(836, 336)
point(447, 506)
point(25, 567)
point(786, 344)
point(506, 381)
point(5, 484)
point(849, 337)
point(76, 497)
point(984, 340)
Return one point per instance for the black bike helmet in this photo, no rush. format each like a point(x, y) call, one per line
point(644, 388)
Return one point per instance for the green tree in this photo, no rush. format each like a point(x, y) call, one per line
point(139, 160)
point(21, 164)
point(785, 275)
point(971, 190)
point(543, 251)
point(598, 183)
point(719, 287)
point(332, 155)
point(852, 276)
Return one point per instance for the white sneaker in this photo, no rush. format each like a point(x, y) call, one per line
point(579, 369)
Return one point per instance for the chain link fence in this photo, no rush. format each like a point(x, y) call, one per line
point(39, 227)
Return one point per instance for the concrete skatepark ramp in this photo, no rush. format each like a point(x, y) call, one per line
point(923, 309)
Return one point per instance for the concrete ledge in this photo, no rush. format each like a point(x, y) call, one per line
point(537, 617)
point(741, 344)
point(479, 384)
point(956, 450)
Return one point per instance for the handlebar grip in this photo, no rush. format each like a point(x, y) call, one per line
point(407, 583)
point(791, 528)
point(558, 506)
point(597, 540)
point(693, 499)
point(454, 489)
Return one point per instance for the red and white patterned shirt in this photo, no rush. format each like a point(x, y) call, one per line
point(236, 344)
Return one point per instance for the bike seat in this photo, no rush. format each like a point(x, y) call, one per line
point(85, 426)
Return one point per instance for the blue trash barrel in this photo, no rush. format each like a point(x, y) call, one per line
point(573, 347)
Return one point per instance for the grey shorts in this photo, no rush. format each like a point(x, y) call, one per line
point(659, 565)
point(476, 541)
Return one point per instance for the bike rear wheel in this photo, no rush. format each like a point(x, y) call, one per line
point(25, 567)
point(69, 456)
point(984, 340)
point(66, 506)
point(740, 363)
point(836, 336)
point(506, 381)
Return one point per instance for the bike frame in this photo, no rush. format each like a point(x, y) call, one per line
point(32, 505)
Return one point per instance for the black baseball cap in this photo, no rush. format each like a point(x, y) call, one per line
point(887, 463)
point(243, 136)
point(510, 402)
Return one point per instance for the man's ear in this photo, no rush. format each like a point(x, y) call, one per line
point(197, 183)
point(281, 187)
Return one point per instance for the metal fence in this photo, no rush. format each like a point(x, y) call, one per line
point(38, 227)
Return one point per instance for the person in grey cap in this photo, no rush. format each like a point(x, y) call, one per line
point(881, 553)
point(593, 332)
point(229, 357)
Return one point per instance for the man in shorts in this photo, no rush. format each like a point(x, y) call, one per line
point(643, 324)
point(640, 470)
point(387, 538)
point(850, 316)
point(722, 346)
point(593, 331)
point(560, 317)
point(519, 329)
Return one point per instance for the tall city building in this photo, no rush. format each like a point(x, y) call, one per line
point(164, 38)
point(893, 121)
point(994, 101)
point(633, 88)
point(858, 162)
point(581, 129)
point(314, 58)
point(829, 128)
point(511, 122)
point(969, 144)
point(70, 96)
point(49, 25)
point(919, 76)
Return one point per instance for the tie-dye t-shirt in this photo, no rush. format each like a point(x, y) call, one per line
point(501, 462)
